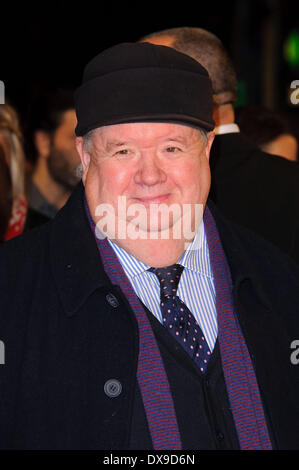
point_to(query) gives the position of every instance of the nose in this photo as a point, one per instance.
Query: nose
(150, 170)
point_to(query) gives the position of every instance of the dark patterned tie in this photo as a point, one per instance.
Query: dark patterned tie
(178, 319)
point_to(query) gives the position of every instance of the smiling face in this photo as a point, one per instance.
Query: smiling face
(147, 163)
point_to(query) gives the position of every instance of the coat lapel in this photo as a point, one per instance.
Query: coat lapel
(76, 263)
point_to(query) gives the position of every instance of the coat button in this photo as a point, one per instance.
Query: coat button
(112, 388)
(112, 300)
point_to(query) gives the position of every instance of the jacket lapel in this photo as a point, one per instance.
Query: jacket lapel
(76, 263)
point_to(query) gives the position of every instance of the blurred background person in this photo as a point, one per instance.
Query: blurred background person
(5, 194)
(12, 173)
(15, 216)
(268, 130)
(248, 185)
(50, 144)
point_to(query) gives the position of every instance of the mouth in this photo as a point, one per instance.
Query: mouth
(152, 199)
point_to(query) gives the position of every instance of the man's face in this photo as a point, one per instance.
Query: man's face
(147, 163)
(63, 158)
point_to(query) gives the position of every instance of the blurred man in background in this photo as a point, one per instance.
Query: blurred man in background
(52, 123)
(268, 130)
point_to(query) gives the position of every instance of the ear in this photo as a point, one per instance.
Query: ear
(84, 157)
(211, 137)
(42, 143)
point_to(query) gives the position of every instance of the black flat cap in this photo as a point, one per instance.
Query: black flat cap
(142, 82)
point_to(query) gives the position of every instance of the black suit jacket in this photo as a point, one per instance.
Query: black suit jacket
(257, 190)
(64, 338)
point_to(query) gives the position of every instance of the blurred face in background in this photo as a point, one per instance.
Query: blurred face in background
(63, 157)
(285, 145)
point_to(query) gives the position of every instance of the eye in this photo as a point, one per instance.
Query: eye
(122, 152)
(172, 149)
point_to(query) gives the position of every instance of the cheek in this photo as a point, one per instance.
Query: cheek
(107, 181)
(194, 176)
(95, 190)
(204, 179)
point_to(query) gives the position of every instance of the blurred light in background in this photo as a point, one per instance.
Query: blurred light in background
(291, 48)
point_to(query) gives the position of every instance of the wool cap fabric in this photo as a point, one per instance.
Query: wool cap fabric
(142, 82)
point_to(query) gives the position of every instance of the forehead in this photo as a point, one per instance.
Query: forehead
(145, 132)
(68, 119)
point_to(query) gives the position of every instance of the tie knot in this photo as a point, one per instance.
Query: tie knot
(169, 279)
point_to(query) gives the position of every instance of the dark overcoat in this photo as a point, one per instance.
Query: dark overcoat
(64, 338)
(256, 190)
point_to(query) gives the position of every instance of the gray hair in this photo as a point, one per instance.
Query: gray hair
(88, 139)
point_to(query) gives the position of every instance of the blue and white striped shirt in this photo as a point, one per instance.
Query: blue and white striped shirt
(196, 286)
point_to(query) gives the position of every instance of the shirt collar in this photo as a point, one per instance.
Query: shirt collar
(196, 257)
(227, 129)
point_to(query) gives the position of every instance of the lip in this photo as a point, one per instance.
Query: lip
(152, 200)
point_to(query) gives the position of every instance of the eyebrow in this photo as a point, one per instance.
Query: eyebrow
(119, 143)
(115, 143)
(176, 139)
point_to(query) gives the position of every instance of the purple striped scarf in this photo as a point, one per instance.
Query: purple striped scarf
(238, 371)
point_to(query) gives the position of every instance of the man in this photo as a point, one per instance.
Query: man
(251, 187)
(173, 333)
(53, 121)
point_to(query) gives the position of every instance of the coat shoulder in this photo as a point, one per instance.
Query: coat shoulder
(247, 252)
(21, 257)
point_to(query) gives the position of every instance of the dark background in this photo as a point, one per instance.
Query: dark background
(49, 43)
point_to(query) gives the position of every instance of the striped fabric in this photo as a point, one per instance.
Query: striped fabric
(196, 286)
(238, 370)
(151, 375)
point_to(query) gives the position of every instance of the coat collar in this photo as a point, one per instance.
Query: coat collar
(75, 259)
(236, 146)
(77, 267)
(240, 261)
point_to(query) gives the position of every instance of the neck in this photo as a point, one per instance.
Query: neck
(223, 114)
(155, 253)
(52, 191)
(156, 249)
(159, 248)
